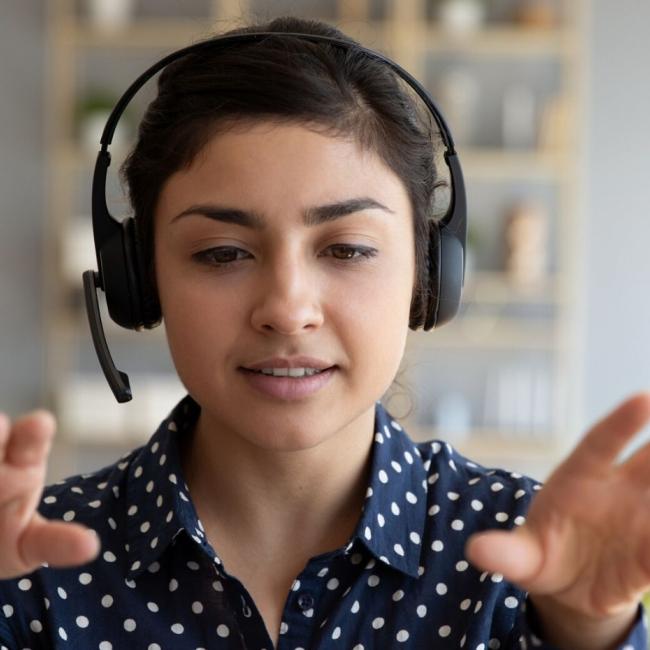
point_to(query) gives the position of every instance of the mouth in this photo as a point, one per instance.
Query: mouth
(288, 383)
(294, 373)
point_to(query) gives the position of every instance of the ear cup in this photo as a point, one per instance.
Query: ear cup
(435, 276)
(150, 305)
(144, 305)
(450, 276)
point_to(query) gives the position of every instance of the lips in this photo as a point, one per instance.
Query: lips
(289, 362)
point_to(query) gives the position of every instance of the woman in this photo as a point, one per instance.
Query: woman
(284, 212)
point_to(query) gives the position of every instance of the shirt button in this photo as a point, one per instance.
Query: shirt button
(305, 601)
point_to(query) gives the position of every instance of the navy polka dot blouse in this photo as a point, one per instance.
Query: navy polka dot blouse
(401, 581)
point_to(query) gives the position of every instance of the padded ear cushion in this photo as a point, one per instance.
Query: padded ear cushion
(452, 267)
(435, 275)
(146, 308)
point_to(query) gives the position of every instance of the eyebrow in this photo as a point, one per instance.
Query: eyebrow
(312, 216)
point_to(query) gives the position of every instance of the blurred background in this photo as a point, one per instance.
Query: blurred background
(548, 102)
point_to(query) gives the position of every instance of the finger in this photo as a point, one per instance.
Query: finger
(58, 543)
(30, 439)
(517, 555)
(4, 434)
(608, 437)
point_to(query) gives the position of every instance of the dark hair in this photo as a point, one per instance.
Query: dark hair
(323, 87)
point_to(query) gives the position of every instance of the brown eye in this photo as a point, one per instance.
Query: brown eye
(346, 252)
(220, 256)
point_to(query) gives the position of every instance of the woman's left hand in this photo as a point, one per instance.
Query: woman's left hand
(585, 545)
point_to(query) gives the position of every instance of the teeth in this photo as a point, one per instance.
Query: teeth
(289, 372)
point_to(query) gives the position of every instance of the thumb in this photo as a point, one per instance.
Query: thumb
(517, 555)
(57, 543)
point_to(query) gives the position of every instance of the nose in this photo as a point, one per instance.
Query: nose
(289, 298)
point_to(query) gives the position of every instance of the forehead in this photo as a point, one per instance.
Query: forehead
(280, 165)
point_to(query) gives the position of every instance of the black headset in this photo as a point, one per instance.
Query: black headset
(132, 302)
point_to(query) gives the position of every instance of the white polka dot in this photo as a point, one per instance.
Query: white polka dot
(394, 508)
(380, 519)
(378, 623)
(402, 636)
(336, 633)
(145, 526)
(95, 504)
(496, 487)
(367, 533)
(132, 510)
(355, 607)
(36, 626)
(63, 634)
(466, 604)
(457, 524)
(434, 510)
(85, 578)
(150, 487)
(217, 586)
(477, 505)
(398, 595)
(223, 631)
(501, 516)
(398, 549)
(129, 625)
(383, 477)
(414, 537)
(105, 645)
(437, 546)
(109, 557)
(177, 628)
(82, 621)
(373, 580)
(421, 611)
(62, 592)
(69, 516)
(519, 520)
(197, 607)
(332, 584)
(445, 630)
(441, 588)
(477, 607)
(511, 602)
(396, 466)
(7, 610)
(25, 584)
(411, 498)
(408, 457)
(453, 496)
(496, 577)
(152, 607)
(50, 499)
(461, 566)
(173, 584)
(138, 471)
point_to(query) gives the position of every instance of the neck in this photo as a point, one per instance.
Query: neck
(312, 497)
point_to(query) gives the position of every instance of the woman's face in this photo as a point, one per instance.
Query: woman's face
(281, 242)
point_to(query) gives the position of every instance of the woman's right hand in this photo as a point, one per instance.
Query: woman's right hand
(27, 539)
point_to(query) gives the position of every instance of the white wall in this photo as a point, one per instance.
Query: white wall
(616, 307)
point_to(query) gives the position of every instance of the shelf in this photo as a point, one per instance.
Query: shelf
(177, 32)
(510, 40)
(496, 287)
(506, 40)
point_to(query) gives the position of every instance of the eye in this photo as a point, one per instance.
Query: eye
(347, 252)
(220, 256)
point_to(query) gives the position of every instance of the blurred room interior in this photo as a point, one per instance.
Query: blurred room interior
(548, 102)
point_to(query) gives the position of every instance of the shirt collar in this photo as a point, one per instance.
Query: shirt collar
(394, 514)
(158, 506)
